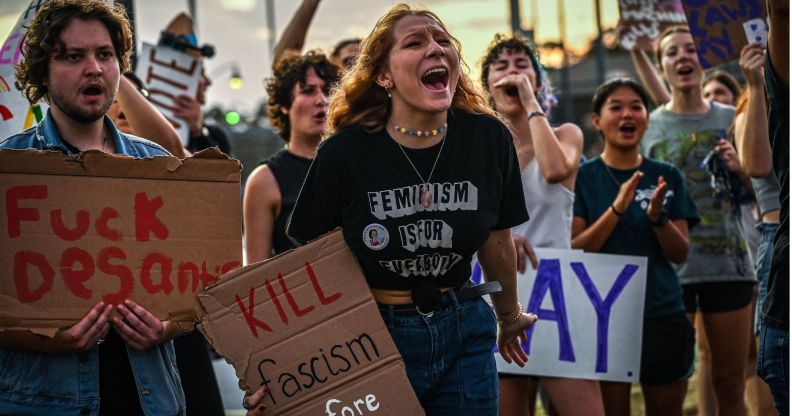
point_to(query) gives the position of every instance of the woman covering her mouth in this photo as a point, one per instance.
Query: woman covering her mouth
(549, 157)
(415, 153)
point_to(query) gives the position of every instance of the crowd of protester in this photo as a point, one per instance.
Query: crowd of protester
(696, 185)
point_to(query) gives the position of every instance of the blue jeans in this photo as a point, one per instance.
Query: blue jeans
(764, 258)
(449, 357)
(773, 363)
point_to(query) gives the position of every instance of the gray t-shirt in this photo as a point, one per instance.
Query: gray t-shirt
(766, 190)
(718, 249)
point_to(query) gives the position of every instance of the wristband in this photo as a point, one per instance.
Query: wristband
(533, 114)
(661, 221)
(615, 211)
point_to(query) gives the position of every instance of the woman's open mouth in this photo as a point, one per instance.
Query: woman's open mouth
(685, 70)
(435, 79)
(627, 129)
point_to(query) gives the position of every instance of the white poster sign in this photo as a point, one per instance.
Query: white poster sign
(16, 113)
(168, 74)
(590, 309)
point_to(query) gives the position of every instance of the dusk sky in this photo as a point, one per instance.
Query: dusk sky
(238, 30)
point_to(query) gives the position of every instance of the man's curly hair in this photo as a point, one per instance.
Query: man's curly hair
(288, 72)
(42, 39)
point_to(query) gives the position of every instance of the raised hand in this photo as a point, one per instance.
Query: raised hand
(627, 192)
(522, 84)
(655, 207)
(752, 58)
(189, 109)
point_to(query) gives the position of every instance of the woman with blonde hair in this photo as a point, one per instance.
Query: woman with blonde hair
(415, 153)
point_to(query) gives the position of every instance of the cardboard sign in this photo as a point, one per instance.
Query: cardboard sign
(16, 113)
(717, 27)
(80, 229)
(642, 21)
(305, 325)
(168, 74)
(590, 309)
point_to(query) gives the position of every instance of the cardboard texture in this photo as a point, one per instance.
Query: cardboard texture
(717, 27)
(642, 21)
(91, 227)
(306, 325)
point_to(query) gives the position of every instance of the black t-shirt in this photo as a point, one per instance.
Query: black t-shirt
(363, 183)
(776, 305)
(596, 188)
(289, 171)
(216, 137)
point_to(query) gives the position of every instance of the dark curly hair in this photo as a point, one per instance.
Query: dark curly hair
(42, 39)
(288, 71)
(502, 43)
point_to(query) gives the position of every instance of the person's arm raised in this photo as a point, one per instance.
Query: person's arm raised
(293, 37)
(750, 127)
(557, 151)
(650, 77)
(146, 120)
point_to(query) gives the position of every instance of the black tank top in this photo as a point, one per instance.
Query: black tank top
(289, 171)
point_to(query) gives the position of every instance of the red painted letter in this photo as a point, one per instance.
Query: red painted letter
(124, 274)
(205, 277)
(252, 322)
(231, 265)
(104, 229)
(79, 230)
(166, 265)
(293, 303)
(184, 278)
(325, 300)
(16, 214)
(22, 279)
(276, 301)
(75, 279)
(146, 220)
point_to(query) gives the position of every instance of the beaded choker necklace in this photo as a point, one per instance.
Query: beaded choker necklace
(420, 133)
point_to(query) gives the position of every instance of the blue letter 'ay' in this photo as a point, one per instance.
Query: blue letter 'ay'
(603, 307)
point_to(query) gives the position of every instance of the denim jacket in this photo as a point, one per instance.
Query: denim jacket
(38, 383)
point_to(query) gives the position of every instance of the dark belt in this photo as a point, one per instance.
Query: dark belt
(465, 293)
